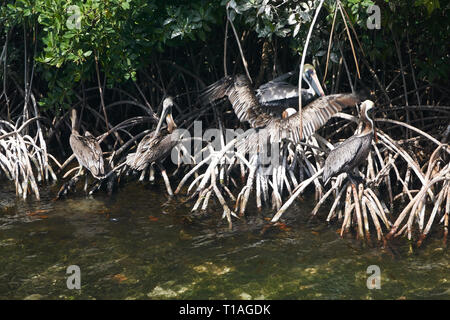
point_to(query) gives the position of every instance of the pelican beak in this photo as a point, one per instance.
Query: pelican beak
(73, 118)
(170, 122)
(161, 119)
(315, 84)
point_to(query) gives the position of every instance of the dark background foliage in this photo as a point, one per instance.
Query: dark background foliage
(147, 49)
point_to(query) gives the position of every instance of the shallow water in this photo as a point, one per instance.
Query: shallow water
(138, 244)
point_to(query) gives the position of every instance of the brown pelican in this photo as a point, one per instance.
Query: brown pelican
(353, 151)
(89, 155)
(246, 106)
(279, 93)
(87, 150)
(156, 145)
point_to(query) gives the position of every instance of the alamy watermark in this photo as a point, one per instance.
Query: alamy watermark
(74, 20)
(374, 20)
(74, 280)
(374, 280)
(229, 145)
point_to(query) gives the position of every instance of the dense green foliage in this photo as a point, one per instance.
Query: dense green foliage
(121, 34)
(64, 39)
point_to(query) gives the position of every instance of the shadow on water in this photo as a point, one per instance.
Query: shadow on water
(139, 244)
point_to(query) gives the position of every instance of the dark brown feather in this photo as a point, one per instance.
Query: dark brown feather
(152, 149)
(348, 155)
(247, 108)
(88, 152)
(315, 115)
(353, 151)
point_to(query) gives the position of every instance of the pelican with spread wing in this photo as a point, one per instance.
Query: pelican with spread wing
(248, 109)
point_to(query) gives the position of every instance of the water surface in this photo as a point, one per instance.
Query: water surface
(139, 244)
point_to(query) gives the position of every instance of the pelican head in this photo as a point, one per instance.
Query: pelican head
(167, 103)
(288, 112)
(367, 106)
(310, 76)
(167, 115)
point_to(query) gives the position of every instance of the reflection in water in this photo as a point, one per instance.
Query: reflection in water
(139, 244)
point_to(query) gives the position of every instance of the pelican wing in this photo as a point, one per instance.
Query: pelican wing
(340, 157)
(152, 148)
(138, 160)
(273, 91)
(245, 104)
(216, 91)
(247, 107)
(242, 97)
(147, 142)
(88, 152)
(315, 115)
(165, 146)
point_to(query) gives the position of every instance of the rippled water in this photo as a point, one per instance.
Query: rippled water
(138, 244)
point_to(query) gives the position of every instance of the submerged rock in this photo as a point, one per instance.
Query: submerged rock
(210, 267)
(245, 296)
(159, 292)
